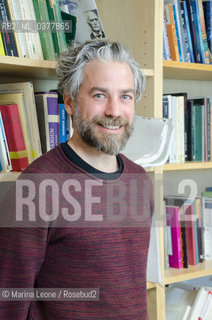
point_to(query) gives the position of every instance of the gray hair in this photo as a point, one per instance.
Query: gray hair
(71, 64)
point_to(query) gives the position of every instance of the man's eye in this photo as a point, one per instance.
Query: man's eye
(99, 95)
(126, 97)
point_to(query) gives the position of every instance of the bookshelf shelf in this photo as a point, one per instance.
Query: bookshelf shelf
(176, 275)
(10, 176)
(34, 69)
(187, 166)
(188, 71)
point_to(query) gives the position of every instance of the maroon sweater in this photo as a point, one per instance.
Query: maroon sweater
(109, 255)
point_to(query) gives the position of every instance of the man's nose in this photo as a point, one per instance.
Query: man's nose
(113, 108)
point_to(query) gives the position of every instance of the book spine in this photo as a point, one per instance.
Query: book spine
(53, 121)
(207, 7)
(174, 52)
(15, 138)
(58, 18)
(190, 234)
(63, 127)
(172, 216)
(193, 32)
(200, 48)
(7, 35)
(35, 38)
(47, 35)
(203, 32)
(185, 33)
(177, 32)
(4, 150)
(15, 11)
(180, 28)
(166, 48)
(2, 51)
(188, 31)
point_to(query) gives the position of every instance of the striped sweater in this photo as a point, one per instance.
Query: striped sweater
(105, 245)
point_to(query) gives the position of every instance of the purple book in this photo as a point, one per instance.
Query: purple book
(172, 219)
(48, 119)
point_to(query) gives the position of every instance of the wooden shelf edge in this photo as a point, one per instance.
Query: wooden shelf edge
(187, 166)
(193, 272)
(150, 285)
(9, 176)
(25, 62)
(187, 71)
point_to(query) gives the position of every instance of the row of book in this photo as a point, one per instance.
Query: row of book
(189, 300)
(188, 231)
(187, 31)
(30, 124)
(192, 121)
(26, 30)
(42, 29)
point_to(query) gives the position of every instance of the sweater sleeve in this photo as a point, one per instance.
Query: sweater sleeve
(22, 251)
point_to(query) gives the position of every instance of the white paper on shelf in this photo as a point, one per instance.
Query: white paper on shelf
(149, 144)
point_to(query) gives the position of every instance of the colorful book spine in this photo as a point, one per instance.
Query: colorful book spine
(166, 48)
(53, 120)
(191, 233)
(185, 34)
(15, 138)
(172, 218)
(57, 17)
(2, 51)
(7, 35)
(174, 52)
(188, 31)
(4, 150)
(193, 32)
(177, 32)
(203, 32)
(207, 7)
(63, 126)
(41, 13)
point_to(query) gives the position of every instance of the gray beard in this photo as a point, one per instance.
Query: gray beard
(106, 143)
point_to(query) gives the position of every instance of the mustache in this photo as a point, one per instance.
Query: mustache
(108, 121)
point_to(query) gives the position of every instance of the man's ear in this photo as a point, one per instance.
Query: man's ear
(69, 104)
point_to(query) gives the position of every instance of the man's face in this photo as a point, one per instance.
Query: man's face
(93, 21)
(103, 117)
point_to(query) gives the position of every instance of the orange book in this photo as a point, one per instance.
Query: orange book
(174, 52)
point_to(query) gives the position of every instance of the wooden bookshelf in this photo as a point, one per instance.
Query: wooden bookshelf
(187, 166)
(27, 68)
(187, 71)
(175, 275)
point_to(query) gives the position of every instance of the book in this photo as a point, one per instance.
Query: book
(166, 48)
(206, 225)
(2, 51)
(72, 21)
(14, 135)
(7, 32)
(26, 88)
(63, 122)
(41, 14)
(18, 99)
(89, 25)
(184, 32)
(207, 7)
(171, 32)
(187, 27)
(187, 214)
(48, 119)
(55, 15)
(4, 150)
(204, 44)
(20, 37)
(193, 30)
(172, 217)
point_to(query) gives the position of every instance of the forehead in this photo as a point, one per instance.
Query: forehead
(108, 72)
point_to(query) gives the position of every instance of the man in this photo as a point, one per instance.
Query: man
(94, 24)
(95, 204)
